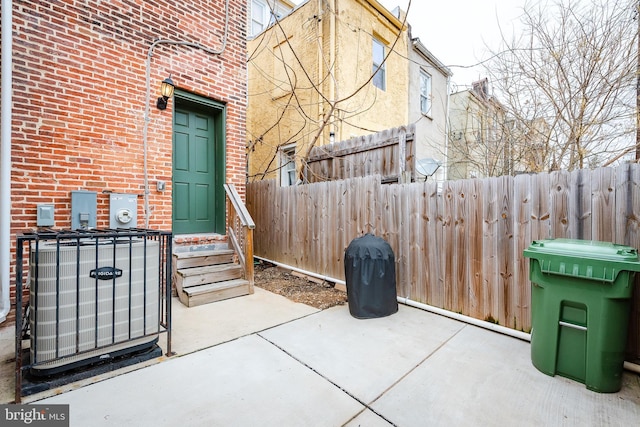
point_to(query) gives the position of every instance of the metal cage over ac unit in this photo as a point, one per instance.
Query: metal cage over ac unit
(93, 295)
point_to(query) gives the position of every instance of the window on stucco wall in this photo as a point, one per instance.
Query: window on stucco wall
(425, 93)
(287, 165)
(379, 67)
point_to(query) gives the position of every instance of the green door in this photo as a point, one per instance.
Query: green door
(198, 169)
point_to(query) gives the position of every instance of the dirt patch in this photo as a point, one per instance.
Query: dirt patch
(299, 288)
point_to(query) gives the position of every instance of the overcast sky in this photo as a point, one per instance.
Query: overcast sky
(456, 31)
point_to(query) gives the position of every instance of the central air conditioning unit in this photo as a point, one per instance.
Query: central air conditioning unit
(92, 300)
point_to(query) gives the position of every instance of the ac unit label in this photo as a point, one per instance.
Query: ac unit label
(105, 273)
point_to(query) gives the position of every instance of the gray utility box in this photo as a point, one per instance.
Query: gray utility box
(123, 210)
(83, 209)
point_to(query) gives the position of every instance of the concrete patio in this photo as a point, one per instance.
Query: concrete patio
(264, 360)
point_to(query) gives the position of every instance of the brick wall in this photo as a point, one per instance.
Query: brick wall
(79, 98)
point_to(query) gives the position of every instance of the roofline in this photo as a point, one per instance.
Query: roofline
(395, 21)
(417, 45)
(490, 100)
(386, 13)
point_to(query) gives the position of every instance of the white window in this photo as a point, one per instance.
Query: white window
(258, 17)
(378, 71)
(288, 166)
(425, 93)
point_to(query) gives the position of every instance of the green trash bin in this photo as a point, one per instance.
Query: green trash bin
(580, 302)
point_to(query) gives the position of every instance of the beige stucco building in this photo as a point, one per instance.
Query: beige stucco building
(328, 71)
(428, 108)
(479, 144)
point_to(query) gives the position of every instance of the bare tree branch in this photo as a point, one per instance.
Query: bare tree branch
(568, 83)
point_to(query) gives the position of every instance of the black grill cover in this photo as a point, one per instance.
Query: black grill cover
(370, 273)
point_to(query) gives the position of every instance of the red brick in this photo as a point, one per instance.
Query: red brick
(79, 92)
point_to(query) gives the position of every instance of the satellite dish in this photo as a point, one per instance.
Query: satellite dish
(427, 167)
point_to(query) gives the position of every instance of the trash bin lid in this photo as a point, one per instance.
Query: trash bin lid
(583, 258)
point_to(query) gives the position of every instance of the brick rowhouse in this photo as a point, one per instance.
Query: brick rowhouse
(79, 99)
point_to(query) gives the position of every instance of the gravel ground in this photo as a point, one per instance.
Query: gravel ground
(311, 291)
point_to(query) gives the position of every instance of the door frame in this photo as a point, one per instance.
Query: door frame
(218, 112)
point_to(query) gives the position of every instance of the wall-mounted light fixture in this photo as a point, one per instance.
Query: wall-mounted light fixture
(166, 89)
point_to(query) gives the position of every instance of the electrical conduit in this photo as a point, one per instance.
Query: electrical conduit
(488, 325)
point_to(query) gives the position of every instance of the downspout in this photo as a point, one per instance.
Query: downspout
(5, 158)
(320, 68)
(632, 367)
(332, 67)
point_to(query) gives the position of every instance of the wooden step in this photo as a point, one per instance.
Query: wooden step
(204, 275)
(204, 294)
(190, 259)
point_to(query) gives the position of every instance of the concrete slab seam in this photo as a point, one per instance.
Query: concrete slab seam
(416, 366)
(365, 405)
(241, 336)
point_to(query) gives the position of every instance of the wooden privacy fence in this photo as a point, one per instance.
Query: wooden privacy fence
(390, 153)
(458, 245)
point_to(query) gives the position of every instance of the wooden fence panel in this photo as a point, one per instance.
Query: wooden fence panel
(508, 310)
(541, 206)
(405, 240)
(627, 213)
(389, 153)
(559, 205)
(289, 202)
(603, 205)
(433, 240)
(448, 242)
(419, 254)
(476, 250)
(460, 280)
(341, 190)
(523, 217)
(337, 228)
(581, 204)
(393, 225)
(303, 227)
(491, 296)
(458, 247)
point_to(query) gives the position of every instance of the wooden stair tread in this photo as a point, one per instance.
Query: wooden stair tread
(202, 258)
(205, 276)
(197, 276)
(205, 294)
(204, 253)
(188, 272)
(219, 286)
